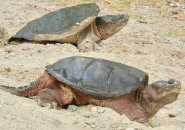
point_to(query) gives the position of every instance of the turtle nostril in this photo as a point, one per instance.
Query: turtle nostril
(121, 16)
(171, 81)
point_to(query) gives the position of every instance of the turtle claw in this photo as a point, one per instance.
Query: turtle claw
(54, 105)
(39, 102)
(32, 97)
(49, 105)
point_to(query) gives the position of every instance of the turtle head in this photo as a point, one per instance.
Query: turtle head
(165, 92)
(110, 24)
(159, 94)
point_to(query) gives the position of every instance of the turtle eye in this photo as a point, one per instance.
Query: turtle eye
(171, 81)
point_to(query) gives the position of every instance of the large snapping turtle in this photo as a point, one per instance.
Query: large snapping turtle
(83, 80)
(78, 25)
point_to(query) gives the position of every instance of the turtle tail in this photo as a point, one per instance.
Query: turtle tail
(32, 89)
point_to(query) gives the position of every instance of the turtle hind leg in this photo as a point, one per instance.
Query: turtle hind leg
(54, 97)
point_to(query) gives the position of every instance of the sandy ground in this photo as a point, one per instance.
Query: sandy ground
(153, 41)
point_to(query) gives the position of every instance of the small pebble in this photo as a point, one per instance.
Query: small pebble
(93, 109)
(77, 23)
(147, 42)
(183, 121)
(101, 110)
(8, 50)
(175, 12)
(72, 108)
(172, 5)
(75, 122)
(171, 115)
(178, 4)
(120, 128)
(25, 48)
(8, 69)
(86, 116)
(1, 102)
(91, 124)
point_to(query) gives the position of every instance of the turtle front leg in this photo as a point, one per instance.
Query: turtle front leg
(126, 105)
(86, 45)
(54, 97)
(87, 40)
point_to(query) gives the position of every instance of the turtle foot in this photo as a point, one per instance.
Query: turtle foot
(48, 98)
(49, 105)
(86, 46)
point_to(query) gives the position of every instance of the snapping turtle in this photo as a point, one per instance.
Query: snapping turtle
(83, 80)
(77, 25)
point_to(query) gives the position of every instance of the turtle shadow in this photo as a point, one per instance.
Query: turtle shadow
(16, 41)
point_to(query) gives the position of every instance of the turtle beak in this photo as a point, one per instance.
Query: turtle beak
(124, 17)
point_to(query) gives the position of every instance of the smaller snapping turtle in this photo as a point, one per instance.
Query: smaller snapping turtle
(83, 80)
(78, 25)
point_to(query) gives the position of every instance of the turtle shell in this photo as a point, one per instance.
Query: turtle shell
(98, 78)
(59, 25)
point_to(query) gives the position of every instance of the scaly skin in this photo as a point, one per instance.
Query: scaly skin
(139, 105)
(31, 90)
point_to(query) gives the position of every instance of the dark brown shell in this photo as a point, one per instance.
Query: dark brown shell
(97, 77)
(60, 24)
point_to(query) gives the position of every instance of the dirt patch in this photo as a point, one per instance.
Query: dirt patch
(148, 42)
